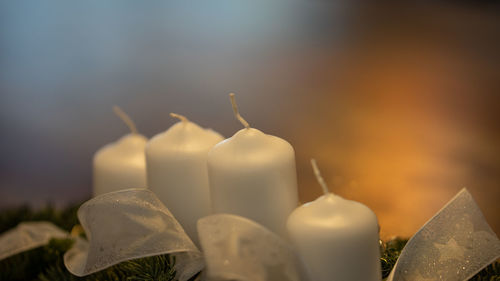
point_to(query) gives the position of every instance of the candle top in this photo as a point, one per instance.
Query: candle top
(333, 211)
(251, 146)
(187, 135)
(128, 145)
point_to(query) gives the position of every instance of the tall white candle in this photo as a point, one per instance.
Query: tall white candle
(337, 239)
(121, 164)
(177, 171)
(253, 175)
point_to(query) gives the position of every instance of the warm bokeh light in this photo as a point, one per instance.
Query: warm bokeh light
(399, 104)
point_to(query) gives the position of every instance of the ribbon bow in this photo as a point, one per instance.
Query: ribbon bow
(453, 245)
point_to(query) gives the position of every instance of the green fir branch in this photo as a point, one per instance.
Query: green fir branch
(28, 265)
(160, 268)
(65, 218)
(389, 253)
(489, 273)
(46, 263)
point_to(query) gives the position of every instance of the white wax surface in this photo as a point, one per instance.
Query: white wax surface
(337, 239)
(177, 171)
(253, 175)
(120, 165)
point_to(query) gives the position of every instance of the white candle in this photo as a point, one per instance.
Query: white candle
(177, 171)
(120, 165)
(337, 239)
(253, 175)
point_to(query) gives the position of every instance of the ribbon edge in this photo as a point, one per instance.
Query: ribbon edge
(127, 259)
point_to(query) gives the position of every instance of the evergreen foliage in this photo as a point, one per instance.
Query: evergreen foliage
(46, 263)
(28, 265)
(65, 218)
(389, 254)
(158, 268)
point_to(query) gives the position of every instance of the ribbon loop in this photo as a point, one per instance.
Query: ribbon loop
(455, 244)
(126, 225)
(237, 248)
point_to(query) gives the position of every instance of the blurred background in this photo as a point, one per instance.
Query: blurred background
(398, 103)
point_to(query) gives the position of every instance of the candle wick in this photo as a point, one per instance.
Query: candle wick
(180, 117)
(320, 179)
(125, 118)
(236, 111)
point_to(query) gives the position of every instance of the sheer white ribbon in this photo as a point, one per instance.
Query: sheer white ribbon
(455, 244)
(27, 236)
(124, 225)
(237, 248)
(127, 225)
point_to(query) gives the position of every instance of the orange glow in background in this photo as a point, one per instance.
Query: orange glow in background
(398, 104)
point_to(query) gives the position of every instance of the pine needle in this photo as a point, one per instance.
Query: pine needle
(46, 263)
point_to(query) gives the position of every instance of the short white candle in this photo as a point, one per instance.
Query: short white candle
(337, 239)
(253, 175)
(177, 171)
(121, 164)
